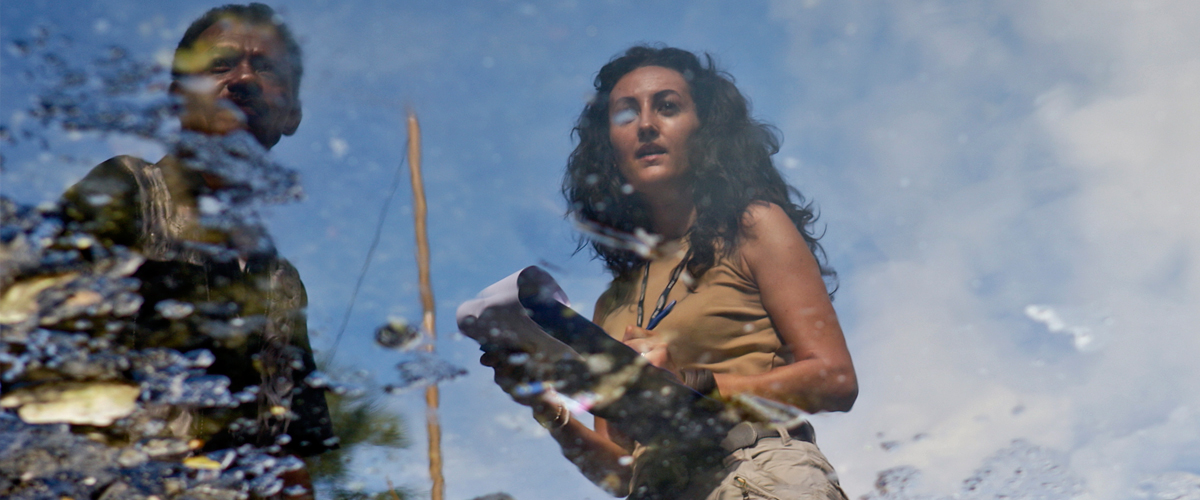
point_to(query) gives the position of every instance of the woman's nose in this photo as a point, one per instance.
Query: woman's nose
(647, 128)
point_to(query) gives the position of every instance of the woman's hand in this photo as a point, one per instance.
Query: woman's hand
(652, 345)
(596, 455)
(511, 374)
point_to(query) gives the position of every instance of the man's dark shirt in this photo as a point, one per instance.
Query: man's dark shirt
(151, 208)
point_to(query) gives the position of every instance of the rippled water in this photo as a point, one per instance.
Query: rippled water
(94, 409)
(68, 303)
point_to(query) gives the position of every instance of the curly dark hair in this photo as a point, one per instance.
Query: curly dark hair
(730, 166)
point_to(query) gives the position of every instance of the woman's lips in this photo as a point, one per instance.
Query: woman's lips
(649, 150)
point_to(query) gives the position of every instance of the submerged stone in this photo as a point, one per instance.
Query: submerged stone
(19, 302)
(422, 369)
(81, 403)
(398, 334)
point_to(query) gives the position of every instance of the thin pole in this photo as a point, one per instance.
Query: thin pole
(420, 210)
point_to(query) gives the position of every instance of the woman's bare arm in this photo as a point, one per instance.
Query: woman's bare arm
(793, 293)
(598, 456)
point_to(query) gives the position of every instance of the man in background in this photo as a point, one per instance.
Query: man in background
(237, 70)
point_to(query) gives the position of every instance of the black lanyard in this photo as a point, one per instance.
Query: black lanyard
(662, 299)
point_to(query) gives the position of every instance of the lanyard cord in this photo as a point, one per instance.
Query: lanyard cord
(662, 299)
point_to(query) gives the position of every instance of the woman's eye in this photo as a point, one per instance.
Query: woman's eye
(669, 107)
(624, 117)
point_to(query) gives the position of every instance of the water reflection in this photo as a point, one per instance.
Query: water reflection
(1021, 470)
(149, 310)
(361, 420)
(963, 155)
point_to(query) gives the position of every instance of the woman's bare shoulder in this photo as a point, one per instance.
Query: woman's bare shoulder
(769, 239)
(765, 219)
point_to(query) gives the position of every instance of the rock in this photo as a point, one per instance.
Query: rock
(19, 301)
(83, 403)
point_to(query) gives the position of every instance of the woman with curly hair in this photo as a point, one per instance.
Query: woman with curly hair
(668, 148)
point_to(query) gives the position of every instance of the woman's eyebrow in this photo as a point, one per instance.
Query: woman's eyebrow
(663, 94)
(627, 100)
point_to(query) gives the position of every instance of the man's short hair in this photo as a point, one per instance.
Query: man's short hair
(256, 14)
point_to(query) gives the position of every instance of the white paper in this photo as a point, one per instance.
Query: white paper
(496, 316)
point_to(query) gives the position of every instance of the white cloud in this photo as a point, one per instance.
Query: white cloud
(1050, 150)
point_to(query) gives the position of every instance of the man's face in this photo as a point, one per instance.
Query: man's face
(246, 65)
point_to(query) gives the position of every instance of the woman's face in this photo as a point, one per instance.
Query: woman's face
(651, 117)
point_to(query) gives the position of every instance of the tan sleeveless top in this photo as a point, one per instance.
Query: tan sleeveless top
(718, 324)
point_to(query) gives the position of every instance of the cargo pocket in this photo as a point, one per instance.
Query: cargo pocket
(794, 470)
(752, 491)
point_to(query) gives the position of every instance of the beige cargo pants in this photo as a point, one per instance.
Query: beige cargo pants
(778, 468)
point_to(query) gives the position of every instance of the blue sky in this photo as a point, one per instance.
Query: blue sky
(969, 160)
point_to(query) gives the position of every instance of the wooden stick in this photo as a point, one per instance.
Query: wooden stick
(420, 211)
